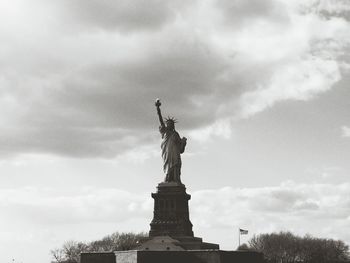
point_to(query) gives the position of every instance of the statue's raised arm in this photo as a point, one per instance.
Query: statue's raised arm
(159, 112)
(172, 147)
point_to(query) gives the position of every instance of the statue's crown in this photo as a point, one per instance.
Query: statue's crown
(171, 119)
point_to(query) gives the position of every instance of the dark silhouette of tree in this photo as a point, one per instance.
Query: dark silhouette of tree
(285, 247)
(70, 251)
(58, 255)
(244, 247)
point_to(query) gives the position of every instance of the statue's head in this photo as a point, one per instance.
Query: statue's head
(170, 123)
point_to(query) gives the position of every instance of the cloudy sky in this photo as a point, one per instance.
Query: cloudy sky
(260, 89)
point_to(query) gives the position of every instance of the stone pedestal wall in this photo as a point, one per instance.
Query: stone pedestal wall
(103, 257)
(189, 256)
(171, 213)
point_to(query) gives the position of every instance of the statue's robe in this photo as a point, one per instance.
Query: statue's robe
(172, 146)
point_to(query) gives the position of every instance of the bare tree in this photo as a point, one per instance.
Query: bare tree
(71, 250)
(58, 255)
(285, 247)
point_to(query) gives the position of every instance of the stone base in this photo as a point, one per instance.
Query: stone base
(195, 243)
(189, 256)
(98, 257)
(166, 243)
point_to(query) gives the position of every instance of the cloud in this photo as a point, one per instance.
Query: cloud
(126, 16)
(46, 206)
(300, 208)
(79, 79)
(301, 80)
(319, 209)
(330, 8)
(345, 131)
(239, 12)
(310, 69)
(221, 128)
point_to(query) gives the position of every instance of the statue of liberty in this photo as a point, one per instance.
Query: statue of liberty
(172, 146)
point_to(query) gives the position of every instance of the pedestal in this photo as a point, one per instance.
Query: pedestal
(170, 214)
(171, 218)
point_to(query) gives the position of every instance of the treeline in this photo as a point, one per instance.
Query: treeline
(285, 247)
(70, 251)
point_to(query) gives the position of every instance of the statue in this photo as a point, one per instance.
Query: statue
(172, 146)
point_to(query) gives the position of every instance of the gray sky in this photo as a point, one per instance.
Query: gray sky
(260, 89)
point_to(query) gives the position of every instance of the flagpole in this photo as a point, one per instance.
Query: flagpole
(239, 237)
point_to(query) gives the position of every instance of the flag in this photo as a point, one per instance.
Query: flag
(243, 232)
